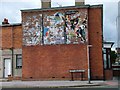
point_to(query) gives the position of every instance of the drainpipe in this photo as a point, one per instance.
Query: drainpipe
(12, 49)
(88, 57)
(12, 61)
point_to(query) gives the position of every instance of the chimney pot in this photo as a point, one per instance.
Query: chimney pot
(46, 3)
(5, 21)
(79, 2)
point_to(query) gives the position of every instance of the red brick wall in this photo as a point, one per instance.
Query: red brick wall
(11, 37)
(41, 62)
(56, 60)
(95, 39)
(17, 37)
(108, 74)
(6, 37)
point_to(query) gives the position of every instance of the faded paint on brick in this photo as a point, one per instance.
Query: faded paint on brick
(58, 27)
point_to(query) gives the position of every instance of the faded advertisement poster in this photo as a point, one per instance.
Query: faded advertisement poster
(32, 30)
(76, 26)
(54, 28)
(68, 27)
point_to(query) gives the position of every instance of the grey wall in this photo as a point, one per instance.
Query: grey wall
(7, 54)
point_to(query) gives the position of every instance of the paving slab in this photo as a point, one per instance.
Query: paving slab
(53, 84)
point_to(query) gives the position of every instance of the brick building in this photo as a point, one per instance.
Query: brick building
(10, 49)
(56, 41)
(60, 43)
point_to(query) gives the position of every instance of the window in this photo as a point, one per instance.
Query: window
(104, 51)
(19, 61)
(109, 63)
(106, 57)
(105, 61)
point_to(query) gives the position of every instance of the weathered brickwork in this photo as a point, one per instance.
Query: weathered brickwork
(46, 62)
(108, 74)
(11, 36)
(53, 61)
(95, 39)
(6, 36)
(11, 39)
(17, 37)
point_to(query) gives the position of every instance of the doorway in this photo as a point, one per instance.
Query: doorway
(7, 67)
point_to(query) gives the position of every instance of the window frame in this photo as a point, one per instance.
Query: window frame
(107, 58)
(18, 67)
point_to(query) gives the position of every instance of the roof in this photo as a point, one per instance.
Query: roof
(66, 7)
(9, 25)
(110, 43)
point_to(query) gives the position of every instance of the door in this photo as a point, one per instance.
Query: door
(7, 67)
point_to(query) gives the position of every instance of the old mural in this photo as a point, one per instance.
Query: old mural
(70, 27)
(54, 28)
(76, 27)
(32, 30)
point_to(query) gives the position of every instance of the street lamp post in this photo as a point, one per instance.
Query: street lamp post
(88, 46)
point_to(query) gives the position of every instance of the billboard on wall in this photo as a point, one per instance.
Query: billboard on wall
(32, 29)
(56, 27)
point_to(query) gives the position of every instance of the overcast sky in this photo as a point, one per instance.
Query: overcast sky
(11, 9)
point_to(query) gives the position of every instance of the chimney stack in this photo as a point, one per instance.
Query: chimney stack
(46, 3)
(79, 2)
(5, 21)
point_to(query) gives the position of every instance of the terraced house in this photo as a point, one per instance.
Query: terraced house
(11, 49)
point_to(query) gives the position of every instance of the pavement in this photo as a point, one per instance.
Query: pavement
(59, 84)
